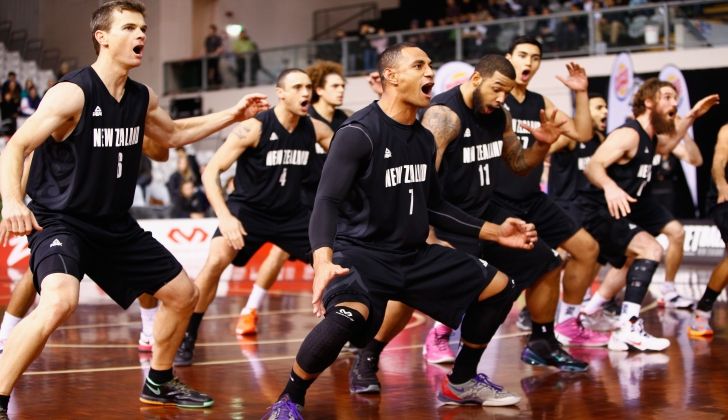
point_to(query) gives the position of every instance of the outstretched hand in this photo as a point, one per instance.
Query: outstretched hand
(250, 105)
(704, 105)
(324, 272)
(549, 131)
(577, 81)
(515, 233)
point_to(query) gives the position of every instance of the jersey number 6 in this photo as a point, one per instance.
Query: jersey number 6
(118, 168)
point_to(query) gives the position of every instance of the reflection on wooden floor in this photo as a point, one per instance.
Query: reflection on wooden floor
(91, 369)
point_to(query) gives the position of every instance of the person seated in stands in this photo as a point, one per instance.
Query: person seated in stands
(190, 203)
(28, 84)
(30, 103)
(186, 171)
(11, 85)
(8, 114)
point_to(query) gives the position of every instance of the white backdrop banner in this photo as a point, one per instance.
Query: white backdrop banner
(620, 92)
(673, 75)
(451, 74)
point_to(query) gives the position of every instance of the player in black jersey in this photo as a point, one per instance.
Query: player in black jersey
(273, 152)
(327, 94)
(377, 196)
(619, 171)
(88, 134)
(522, 196)
(474, 137)
(716, 204)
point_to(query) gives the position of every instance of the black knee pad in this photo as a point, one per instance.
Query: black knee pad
(54, 264)
(639, 277)
(483, 318)
(323, 344)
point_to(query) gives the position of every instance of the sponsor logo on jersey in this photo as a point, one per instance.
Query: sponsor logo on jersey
(582, 161)
(632, 226)
(467, 133)
(484, 262)
(482, 152)
(287, 157)
(516, 123)
(56, 243)
(412, 174)
(647, 150)
(97, 112)
(581, 146)
(387, 153)
(116, 137)
(273, 136)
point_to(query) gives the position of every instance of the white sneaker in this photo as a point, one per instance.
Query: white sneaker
(632, 335)
(671, 300)
(146, 343)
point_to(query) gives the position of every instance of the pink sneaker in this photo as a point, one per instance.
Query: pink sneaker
(437, 346)
(572, 333)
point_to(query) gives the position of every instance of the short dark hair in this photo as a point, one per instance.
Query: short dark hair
(11, 73)
(284, 74)
(649, 90)
(213, 27)
(594, 95)
(524, 40)
(390, 57)
(491, 63)
(101, 17)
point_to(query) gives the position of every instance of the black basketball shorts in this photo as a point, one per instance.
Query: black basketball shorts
(553, 224)
(290, 234)
(115, 252)
(649, 214)
(524, 266)
(440, 282)
(570, 208)
(720, 216)
(613, 235)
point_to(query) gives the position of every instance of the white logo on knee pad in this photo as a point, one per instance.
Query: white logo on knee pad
(346, 314)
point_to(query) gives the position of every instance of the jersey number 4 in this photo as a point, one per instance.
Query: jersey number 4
(484, 175)
(282, 180)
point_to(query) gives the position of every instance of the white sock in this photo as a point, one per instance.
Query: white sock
(595, 304)
(629, 310)
(255, 299)
(148, 320)
(567, 312)
(9, 322)
(667, 287)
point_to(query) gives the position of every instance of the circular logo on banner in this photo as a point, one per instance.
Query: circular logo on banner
(450, 75)
(675, 81)
(621, 82)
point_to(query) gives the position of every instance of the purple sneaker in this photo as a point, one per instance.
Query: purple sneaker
(284, 409)
(437, 345)
(572, 333)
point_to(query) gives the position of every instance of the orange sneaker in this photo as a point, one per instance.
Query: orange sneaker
(246, 323)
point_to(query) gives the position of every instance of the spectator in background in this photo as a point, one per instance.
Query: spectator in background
(413, 38)
(189, 203)
(467, 6)
(245, 48)
(452, 11)
(187, 170)
(145, 174)
(381, 43)
(30, 103)
(50, 84)
(369, 53)
(28, 84)
(332, 51)
(212, 50)
(611, 27)
(8, 114)
(65, 68)
(11, 85)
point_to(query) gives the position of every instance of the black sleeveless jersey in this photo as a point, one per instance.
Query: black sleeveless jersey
(94, 171)
(319, 158)
(387, 205)
(711, 198)
(634, 175)
(268, 177)
(471, 162)
(528, 112)
(566, 173)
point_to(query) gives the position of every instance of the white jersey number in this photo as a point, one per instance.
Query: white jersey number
(484, 175)
(412, 200)
(118, 168)
(283, 177)
(524, 139)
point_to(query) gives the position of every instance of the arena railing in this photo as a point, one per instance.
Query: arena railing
(654, 26)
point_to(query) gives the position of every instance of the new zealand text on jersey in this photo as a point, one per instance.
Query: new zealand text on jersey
(286, 157)
(520, 130)
(412, 173)
(481, 152)
(116, 137)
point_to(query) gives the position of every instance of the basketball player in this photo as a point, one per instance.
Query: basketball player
(327, 94)
(523, 197)
(272, 152)
(716, 204)
(88, 131)
(473, 135)
(379, 183)
(618, 171)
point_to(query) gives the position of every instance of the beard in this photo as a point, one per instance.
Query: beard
(478, 101)
(662, 124)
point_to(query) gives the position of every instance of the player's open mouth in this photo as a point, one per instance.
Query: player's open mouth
(138, 49)
(672, 114)
(603, 121)
(304, 104)
(427, 89)
(525, 74)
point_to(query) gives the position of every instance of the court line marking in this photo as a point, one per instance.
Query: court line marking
(232, 361)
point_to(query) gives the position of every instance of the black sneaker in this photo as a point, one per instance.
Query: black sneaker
(612, 308)
(185, 351)
(524, 322)
(4, 414)
(174, 392)
(363, 374)
(545, 353)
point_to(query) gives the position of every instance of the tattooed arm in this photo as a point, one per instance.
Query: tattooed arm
(245, 135)
(444, 125)
(521, 162)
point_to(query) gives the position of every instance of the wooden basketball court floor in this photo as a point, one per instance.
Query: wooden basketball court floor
(91, 369)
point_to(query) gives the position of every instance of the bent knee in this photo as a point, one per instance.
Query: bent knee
(57, 311)
(675, 232)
